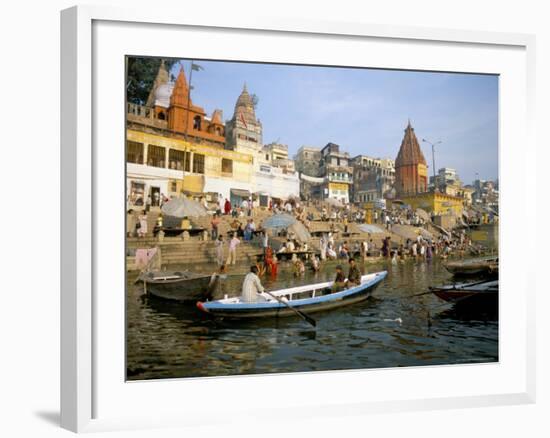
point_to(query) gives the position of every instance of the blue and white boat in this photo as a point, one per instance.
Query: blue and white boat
(308, 298)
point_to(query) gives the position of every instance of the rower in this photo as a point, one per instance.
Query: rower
(252, 286)
(339, 281)
(354, 275)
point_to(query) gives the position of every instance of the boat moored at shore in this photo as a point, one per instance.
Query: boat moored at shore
(178, 286)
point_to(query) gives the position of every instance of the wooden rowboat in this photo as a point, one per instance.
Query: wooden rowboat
(179, 286)
(478, 266)
(485, 292)
(309, 298)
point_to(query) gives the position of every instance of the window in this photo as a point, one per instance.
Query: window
(173, 186)
(187, 162)
(227, 165)
(197, 123)
(134, 152)
(156, 156)
(198, 163)
(136, 193)
(176, 159)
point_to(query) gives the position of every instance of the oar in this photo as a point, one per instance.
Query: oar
(299, 312)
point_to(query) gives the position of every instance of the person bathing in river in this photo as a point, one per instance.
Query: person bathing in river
(270, 261)
(252, 286)
(315, 264)
(354, 275)
(299, 268)
(216, 287)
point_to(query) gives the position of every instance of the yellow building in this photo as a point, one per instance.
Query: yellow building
(437, 203)
(173, 148)
(169, 166)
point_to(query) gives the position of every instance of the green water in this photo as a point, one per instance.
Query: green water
(168, 340)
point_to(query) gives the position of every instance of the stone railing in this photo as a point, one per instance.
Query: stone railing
(140, 111)
(145, 115)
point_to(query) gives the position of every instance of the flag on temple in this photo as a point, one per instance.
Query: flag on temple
(242, 119)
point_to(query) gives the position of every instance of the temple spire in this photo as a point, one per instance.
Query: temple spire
(161, 79)
(180, 93)
(410, 165)
(410, 152)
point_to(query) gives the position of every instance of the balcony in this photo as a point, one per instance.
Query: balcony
(145, 116)
(339, 178)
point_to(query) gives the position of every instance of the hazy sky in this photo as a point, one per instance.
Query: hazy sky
(364, 111)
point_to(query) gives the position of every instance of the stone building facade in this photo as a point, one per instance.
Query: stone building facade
(373, 178)
(336, 168)
(307, 160)
(447, 181)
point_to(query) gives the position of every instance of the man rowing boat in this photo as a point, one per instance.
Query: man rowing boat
(354, 274)
(252, 286)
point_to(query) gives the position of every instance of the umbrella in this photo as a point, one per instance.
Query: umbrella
(423, 214)
(334, 202)
(301, 232)
(279, 221)
(368, 228)
(183, 207)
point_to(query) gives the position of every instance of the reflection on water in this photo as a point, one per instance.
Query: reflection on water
(166, 339)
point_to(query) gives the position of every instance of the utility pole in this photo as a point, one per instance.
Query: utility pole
(196, 67)
(433, 157)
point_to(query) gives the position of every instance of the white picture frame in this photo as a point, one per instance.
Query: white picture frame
(82, 369)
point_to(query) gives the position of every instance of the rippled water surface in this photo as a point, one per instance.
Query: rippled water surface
(167, 340)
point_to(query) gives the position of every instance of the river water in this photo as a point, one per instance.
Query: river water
(390, 329)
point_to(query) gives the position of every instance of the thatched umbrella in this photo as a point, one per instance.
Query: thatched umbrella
(334, 202)
(288, 222)
(178, 208)
(282, 220)
(301, 232)
(423, 214)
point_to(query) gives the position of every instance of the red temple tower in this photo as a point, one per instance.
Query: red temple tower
(411, 171)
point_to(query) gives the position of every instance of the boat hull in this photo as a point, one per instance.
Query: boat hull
(487, 267)
(323, 303)
(192, 288)
(482, 294)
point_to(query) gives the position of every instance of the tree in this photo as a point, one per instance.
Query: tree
(140, 76)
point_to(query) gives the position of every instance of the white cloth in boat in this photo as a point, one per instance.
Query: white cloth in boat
(252, 286)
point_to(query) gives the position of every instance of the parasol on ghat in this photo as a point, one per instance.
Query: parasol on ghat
(176, 209)
(279, 221)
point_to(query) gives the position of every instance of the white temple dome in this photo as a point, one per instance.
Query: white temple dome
(163, 93)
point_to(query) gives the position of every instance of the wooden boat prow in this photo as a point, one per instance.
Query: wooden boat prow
(178, 285)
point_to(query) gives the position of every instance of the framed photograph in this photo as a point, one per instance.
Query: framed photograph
(255, 208)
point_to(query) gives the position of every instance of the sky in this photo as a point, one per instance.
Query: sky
(365, 111)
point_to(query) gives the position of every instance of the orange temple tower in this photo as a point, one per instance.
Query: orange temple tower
(411, 171)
